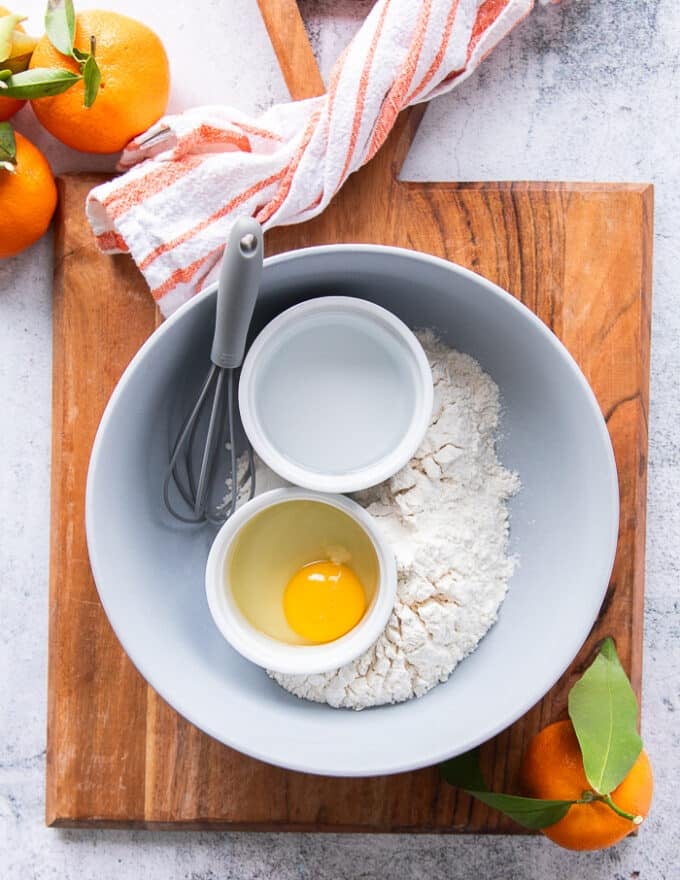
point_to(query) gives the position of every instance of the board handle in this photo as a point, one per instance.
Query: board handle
(293, 50)
(301, 74)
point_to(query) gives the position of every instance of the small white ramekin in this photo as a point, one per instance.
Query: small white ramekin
(329, 390)
(269, 652)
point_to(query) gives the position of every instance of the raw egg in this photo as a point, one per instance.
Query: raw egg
(323, 601)
(302, 572)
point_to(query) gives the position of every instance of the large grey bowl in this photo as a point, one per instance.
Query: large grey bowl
(149, 570)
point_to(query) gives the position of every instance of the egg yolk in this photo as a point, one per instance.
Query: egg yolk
(323, 601)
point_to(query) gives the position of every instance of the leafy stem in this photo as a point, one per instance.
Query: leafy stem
(603, 711)
(60, 25)
(532, 813)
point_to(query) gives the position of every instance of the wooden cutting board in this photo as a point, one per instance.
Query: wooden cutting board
(579, 255)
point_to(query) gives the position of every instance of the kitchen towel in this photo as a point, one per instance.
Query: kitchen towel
(192, 174)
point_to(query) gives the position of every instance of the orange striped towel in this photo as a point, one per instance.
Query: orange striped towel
(192, 174)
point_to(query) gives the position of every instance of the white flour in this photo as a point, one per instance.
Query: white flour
(446, 516)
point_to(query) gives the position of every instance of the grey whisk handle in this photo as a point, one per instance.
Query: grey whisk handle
(237, 292)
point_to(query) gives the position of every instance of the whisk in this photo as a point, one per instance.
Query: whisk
(207, 479)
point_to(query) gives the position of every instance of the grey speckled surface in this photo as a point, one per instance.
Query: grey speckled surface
(589, 90)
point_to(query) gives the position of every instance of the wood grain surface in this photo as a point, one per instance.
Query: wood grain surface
(579, 255)
(287, 33)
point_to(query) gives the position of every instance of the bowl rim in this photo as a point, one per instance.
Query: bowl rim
(266, 651)
(548, 674)
(363, 311)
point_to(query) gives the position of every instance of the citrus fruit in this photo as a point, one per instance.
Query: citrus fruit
(28, 196)
(9, 106)
(553, 769)
(134, 88)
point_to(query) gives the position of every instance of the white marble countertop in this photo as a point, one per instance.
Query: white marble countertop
(595, 95)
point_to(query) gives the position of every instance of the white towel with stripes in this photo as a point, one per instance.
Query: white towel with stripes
(192, 174)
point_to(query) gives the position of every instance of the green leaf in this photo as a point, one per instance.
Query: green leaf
(60, 24)
(41, 82)
(8, 146)
(79, 55)
(20, 53)
(7, 25)
(464, 771)
(91, 79)
(533, 813)
(604, 711)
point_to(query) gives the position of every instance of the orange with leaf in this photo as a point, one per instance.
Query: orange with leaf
(104, 110)
(553, 769)
(95, 80)
(588, 780)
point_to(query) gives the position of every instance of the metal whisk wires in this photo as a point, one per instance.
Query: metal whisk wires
(204, 461)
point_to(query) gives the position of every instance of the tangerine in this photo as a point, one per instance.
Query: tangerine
(28, 196)
(553, 769)
(9, 106)
(133, 92)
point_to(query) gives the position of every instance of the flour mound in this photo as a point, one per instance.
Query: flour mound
(445, 515)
